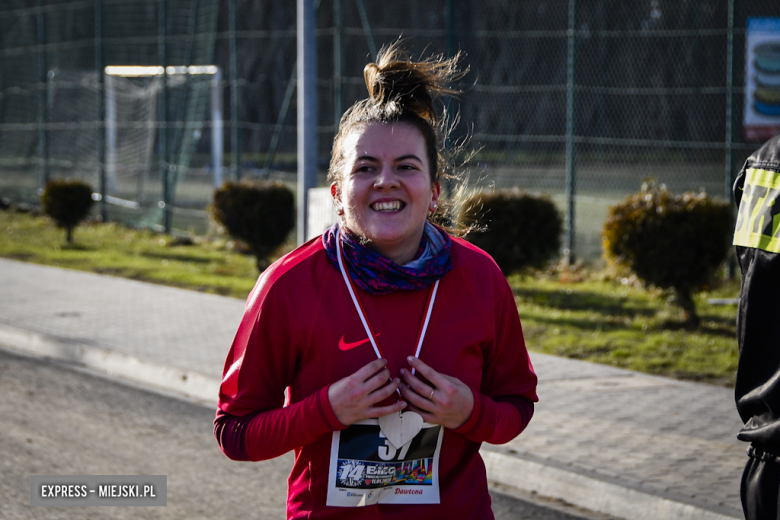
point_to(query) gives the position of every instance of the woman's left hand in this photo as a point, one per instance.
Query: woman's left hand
(446, 400)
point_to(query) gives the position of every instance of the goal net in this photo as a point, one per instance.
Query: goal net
(131, 133)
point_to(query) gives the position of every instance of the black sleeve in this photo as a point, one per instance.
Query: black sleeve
(230, 431)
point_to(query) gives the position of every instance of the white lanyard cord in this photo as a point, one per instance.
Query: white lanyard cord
(352, 294)
(360, 311)
(427, 319)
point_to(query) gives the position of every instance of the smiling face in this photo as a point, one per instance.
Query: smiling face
(385, 189)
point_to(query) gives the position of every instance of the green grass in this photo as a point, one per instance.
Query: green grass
(580, 314)
(209, 265)
(618, 322)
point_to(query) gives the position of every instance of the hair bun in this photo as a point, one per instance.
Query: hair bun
(371, 74)
(395, 83)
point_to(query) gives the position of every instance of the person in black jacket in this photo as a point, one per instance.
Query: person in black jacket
(757, 392)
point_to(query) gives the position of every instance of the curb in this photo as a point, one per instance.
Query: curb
(189, 384)
(512, 471)
(588, 492)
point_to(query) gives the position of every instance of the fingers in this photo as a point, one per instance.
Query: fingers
(430, 374)
(378, 380)
(427, 416)
(420, 389)
(352, 398)
(451, 403)
(370, 369)
(381, 411)
(383, 392)
(359, 389)
(380, 386)
(416, 400)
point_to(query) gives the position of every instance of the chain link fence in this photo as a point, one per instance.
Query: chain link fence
(580, 100)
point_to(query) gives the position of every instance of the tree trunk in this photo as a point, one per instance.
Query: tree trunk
(689, 308)
(262, 262)
(69, 234)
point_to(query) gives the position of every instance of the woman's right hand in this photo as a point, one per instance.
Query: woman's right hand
(353, 398)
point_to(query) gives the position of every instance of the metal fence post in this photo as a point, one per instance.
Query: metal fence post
(235, 158)
(101, 113)
(449, 50)
(571, 156)
(414, 17)
(731, 265)
(730, 101)
(449, 22)
(367, 29)
(337, 96)
(449, 38)
(602, 64)
(217, 137)
(165, 167)
(43, 116)
(307, 110)
(281, 118)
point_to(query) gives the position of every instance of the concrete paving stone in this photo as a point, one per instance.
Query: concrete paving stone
(650, 430)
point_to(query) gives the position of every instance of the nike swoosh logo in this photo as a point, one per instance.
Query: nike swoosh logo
(348, 346)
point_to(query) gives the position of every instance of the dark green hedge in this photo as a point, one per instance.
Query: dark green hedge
(67, 202)
(259, 214)
(670, 241)
(520, 230)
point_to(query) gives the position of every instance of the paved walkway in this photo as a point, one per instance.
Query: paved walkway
(622, 443)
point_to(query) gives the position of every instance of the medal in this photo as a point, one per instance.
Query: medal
(402, 427)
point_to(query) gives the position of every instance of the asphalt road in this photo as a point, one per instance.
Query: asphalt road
(60, 421)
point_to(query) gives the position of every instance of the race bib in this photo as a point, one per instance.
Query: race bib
(366, 469)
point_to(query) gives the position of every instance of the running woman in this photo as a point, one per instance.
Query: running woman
(399, 346)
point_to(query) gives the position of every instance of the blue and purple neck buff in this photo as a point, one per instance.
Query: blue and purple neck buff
(376, 274)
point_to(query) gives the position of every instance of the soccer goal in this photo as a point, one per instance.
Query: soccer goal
(130, 130)
(127, 126)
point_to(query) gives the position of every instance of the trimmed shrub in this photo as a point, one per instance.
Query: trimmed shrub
(517, 229)
(67, 202)
(261, 215)
(670, 241)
